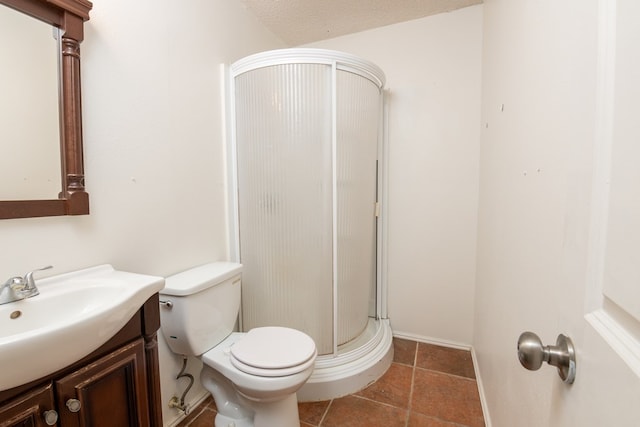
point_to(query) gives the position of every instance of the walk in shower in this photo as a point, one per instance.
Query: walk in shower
(306, 154)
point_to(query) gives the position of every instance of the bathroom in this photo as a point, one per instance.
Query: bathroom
(496, 111)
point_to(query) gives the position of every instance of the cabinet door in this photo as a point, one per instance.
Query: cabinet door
(112, 391)
(29, 409)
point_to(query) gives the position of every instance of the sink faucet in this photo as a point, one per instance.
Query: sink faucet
(17, 288)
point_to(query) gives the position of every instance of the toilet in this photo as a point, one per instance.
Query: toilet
(253, 376)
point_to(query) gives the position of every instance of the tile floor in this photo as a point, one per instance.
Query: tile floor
(426, 386)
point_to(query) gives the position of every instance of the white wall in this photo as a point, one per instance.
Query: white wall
(433, 69)
(154, 152)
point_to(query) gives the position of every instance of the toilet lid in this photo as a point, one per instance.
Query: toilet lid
(273, 351)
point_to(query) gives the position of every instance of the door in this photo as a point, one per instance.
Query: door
(306, 139)
(283, 137)
(559, 215)
(612, 329)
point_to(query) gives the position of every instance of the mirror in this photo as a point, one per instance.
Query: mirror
(29, 85)
(61, 153)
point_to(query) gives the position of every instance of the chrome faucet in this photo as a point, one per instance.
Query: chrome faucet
(17, 288)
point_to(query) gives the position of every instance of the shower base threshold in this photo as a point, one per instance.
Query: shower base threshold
(357, 365)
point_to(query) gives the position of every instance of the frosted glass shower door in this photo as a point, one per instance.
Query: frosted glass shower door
(357, 124)
(284, 155)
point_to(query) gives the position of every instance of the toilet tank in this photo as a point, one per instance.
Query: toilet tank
(199, 307)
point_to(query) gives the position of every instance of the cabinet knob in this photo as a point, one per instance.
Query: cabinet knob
(74, 405)
(50, 417)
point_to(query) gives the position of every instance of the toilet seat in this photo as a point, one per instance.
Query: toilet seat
(273, 351)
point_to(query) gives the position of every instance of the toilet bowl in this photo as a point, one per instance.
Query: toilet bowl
(254, 376)
(259, 380)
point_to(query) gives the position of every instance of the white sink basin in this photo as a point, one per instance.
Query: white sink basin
(74, 314)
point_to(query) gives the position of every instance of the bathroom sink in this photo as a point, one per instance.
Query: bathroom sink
(74, 314)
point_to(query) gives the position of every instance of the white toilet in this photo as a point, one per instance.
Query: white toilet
(252, 376)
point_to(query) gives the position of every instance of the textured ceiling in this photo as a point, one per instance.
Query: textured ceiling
(298, 22)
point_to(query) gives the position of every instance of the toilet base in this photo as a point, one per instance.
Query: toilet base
(235, 410)
(224, 421)
(281, 413)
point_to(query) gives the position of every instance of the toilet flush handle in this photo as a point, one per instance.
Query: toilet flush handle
(532, 353)
(168, 304)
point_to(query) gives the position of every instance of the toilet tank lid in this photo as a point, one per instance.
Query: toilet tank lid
(200, 278)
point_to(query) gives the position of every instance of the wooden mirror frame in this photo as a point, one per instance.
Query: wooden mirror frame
(69, 16)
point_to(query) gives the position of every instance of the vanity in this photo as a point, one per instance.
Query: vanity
(111, 318)
(116, 385)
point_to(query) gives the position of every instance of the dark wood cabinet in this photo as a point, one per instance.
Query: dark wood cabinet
(117, 385)
(29, 409)
(111, 391)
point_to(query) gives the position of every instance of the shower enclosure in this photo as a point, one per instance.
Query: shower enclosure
(306, 171)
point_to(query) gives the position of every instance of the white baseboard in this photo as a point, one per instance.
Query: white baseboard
(431, 340)
(459, 346)
(483, 399)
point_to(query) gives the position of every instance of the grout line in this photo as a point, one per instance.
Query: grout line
(326, 411)
(190, 419)
(413, 376)
(447, 373)
(377, 402)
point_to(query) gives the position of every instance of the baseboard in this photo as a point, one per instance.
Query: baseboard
(431, 340)
(483, 399)
(459, 346)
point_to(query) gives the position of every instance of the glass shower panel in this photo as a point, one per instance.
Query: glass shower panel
(283, 142)
(357, 118)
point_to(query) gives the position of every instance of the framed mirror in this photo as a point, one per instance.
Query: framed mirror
(66, 19)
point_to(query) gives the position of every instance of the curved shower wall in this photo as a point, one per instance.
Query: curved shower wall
(306, 147)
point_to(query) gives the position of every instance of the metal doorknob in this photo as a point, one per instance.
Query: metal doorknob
(532, 353)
